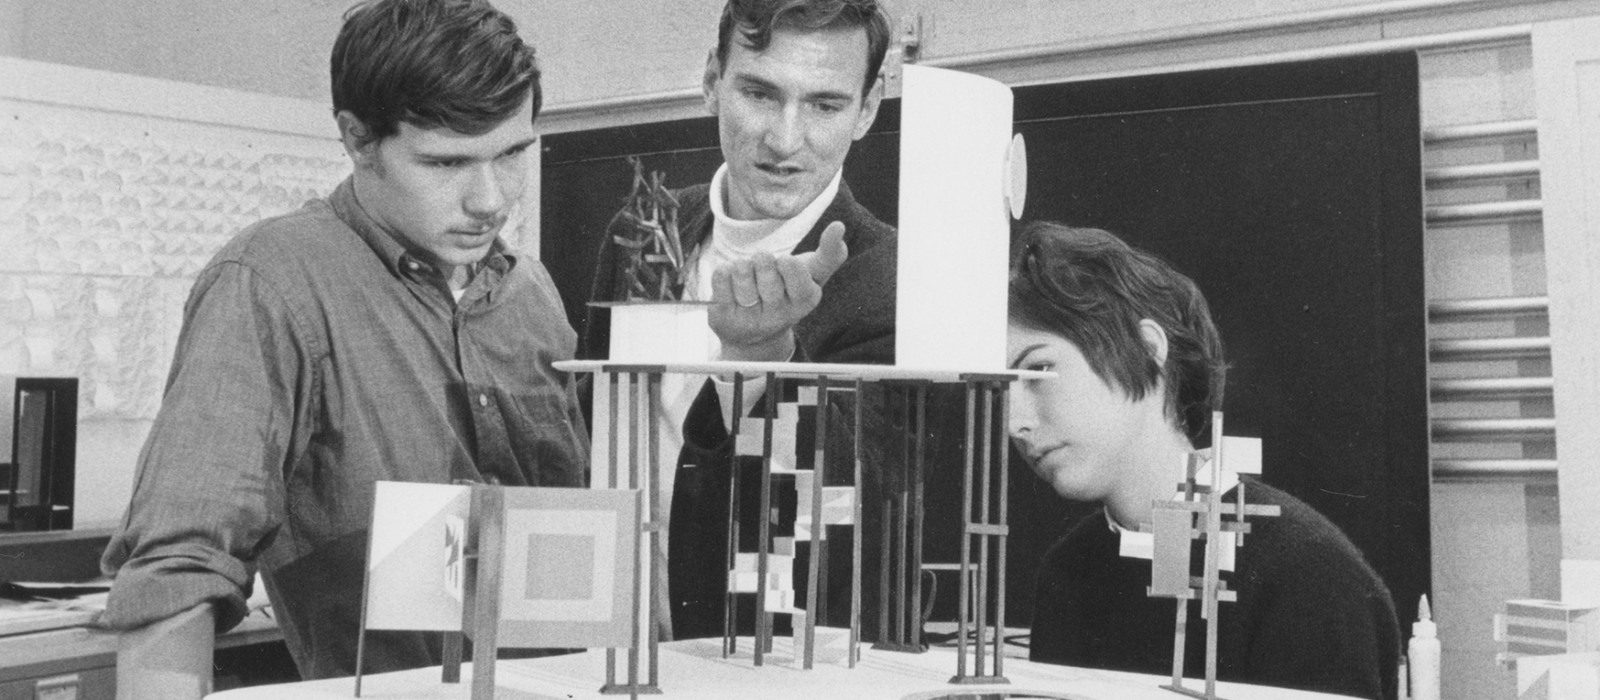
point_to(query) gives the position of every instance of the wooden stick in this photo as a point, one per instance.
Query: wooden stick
(814, 570)
(915, 483)
(966, 543)
(1213, 553)
(856, 530)
(730, 602)
(489, 507)
(657, 557)
(611, 482)
(1004, 476)
(986, 420)
(764, 529)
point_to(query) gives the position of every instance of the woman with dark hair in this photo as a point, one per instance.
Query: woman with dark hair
(1139, 370)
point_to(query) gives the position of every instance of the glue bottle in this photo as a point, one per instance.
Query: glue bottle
(1423, 655)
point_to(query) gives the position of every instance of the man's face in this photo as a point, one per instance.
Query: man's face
(444, 193)
(787, 116)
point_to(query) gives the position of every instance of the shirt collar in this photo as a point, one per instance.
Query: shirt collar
(387, 246)
(1112, 522)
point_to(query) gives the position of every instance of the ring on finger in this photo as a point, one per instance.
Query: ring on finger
(752, 303)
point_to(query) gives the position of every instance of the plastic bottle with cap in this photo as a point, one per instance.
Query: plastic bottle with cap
(1423, 654)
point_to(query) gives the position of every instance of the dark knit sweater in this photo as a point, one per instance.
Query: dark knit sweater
(1311, 614)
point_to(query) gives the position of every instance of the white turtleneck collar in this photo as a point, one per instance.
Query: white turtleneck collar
(733, 239)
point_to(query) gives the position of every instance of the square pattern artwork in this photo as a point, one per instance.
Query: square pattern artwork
(565, 549)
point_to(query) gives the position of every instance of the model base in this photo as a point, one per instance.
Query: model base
(626, 689)
(900, 647)
(1191, 693)
(978, 680)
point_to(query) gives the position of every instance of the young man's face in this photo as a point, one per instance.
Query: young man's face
(787, 117)
(444, 193)
(1076, 431)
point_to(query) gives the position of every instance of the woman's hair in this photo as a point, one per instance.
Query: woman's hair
(1089, 287)
(457, 64)
(755, 20)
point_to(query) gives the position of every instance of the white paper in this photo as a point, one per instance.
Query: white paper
(8, 392)
(955, 135)
(408, 564)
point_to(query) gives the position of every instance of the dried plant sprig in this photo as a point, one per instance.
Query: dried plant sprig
(646, 228)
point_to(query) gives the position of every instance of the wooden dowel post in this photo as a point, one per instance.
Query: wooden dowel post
(612, 469)
(965, 613)
(658, 574)
(1004, 476)
(918, 467)
(814, 578)
(764, 528)
(986, 440)
(857, 529)
(730, 603)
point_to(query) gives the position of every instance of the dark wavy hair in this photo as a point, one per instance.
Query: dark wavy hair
(457, 64)
(1091, 288)
(756, 20)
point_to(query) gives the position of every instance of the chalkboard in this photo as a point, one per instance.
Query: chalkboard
(1291, 193)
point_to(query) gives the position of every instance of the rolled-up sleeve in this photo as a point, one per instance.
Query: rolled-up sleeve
(209, 492)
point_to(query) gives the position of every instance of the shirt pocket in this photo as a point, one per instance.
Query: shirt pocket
(549, 448)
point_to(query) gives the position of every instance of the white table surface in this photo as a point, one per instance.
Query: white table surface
(695, 669)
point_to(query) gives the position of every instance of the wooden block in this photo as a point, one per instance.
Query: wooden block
(170, 658)
(1241, 455)
(1559, 677)
(830, 645)
(1169, 569)
(414, 570)
(838, 505)
(568, 559)
(781, 602)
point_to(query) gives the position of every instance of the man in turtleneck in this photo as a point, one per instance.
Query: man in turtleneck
(794, 269)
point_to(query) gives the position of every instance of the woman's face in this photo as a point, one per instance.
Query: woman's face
(1075, 431)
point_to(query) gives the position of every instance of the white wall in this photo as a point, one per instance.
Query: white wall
(589, 50)
(277, 48)
(114, 191)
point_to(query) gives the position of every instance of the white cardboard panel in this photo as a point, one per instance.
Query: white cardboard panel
(954, 231)
(408, 557)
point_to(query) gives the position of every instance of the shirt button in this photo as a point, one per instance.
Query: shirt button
(483, 400)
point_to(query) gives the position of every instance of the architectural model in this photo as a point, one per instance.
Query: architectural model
(460, 560)
(962, 174)
(1201, 513)
(457, 559)
(1553, 646)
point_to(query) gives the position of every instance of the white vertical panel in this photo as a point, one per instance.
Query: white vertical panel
(410, 554)
(527, 240)
(1492, 541)
(114, 191)
(8, 388)
(1566, 60)
(955, 130)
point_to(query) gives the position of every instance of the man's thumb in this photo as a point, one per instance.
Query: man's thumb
(829, 255)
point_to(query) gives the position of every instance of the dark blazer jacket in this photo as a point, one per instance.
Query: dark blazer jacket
(854, 323)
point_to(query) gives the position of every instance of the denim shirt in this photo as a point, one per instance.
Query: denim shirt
(317, 356)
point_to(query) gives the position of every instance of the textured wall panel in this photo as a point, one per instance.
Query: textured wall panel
(115, 190)
(105, 218)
